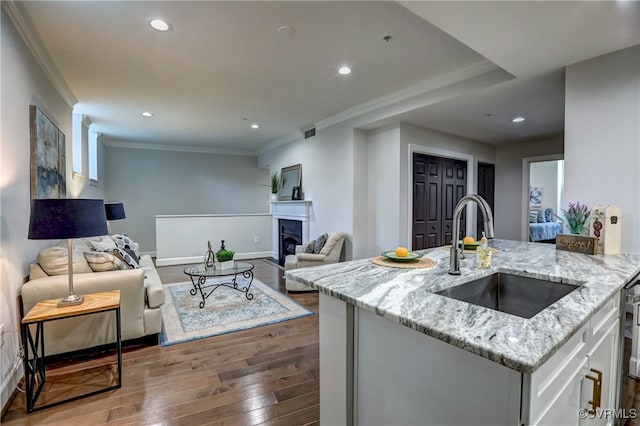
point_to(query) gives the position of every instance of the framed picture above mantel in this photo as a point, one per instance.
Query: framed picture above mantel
(290, 178)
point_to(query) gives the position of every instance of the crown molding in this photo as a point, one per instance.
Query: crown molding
(176, 148)
(291, 137)
(409, 92)
(18, 14)
(392, 98)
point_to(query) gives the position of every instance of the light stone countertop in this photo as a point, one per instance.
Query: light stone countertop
(407, 296)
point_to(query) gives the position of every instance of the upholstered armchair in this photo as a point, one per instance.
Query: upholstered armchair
(330, 253)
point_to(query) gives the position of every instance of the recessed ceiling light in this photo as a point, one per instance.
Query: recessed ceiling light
(518, 120)
(344, 70)
(285, 29)
(147, 114)
(255, 126)
(160, 25)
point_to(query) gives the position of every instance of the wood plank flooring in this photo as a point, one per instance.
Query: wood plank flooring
(266, 375)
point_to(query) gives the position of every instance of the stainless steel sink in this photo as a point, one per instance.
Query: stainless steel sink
(513, 294)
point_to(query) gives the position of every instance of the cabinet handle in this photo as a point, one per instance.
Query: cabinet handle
(597, 391)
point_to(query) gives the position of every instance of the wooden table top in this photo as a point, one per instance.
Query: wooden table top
(95, 302)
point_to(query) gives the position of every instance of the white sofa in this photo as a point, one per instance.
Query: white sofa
(330, 253)
(141, 296)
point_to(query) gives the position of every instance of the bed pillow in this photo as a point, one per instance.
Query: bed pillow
(533, 216)
(541, 216)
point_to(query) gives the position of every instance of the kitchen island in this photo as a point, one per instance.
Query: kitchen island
(394, 352)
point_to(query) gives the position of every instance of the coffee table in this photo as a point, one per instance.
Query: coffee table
(200, 273)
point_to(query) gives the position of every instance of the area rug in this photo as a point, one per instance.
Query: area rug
(226, 310)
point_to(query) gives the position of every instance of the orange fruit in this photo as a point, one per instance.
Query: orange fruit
(468, 240)
(402, 251)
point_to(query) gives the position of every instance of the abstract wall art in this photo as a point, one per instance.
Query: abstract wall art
(48, 157)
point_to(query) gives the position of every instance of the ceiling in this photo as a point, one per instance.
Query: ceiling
(225, 65)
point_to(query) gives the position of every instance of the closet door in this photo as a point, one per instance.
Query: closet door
(454, 184)
(438, 185)
(426, 202)
(486, 189)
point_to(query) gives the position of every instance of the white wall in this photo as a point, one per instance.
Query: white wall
(182, 239)
(361, 187)
(508, 200)
(23, 84)
(151, 182)
(327, 178)
(545, 174)
(383, 204)
(602, 137)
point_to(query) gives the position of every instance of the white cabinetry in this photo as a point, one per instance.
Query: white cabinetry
(580, 376)
(396, 375)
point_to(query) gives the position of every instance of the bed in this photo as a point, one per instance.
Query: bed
(544, 231)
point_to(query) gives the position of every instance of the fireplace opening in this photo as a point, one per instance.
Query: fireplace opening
(290, 237)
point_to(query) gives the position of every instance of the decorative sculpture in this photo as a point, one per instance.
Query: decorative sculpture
(209, 258)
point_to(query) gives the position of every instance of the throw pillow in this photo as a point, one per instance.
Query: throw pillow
(102, 244)
(548, 215)
(540, 216)
(100, 261)
(55, 261)
(320, 242)
(308, 248)
(533, 216)
(124, 242)
(123, 255)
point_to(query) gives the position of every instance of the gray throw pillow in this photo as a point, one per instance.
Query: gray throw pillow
(309, 247)
(320, 242)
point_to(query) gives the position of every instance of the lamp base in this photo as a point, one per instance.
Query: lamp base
(70, 300)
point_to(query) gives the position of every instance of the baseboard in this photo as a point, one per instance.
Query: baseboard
(200, 259)
(10, 384)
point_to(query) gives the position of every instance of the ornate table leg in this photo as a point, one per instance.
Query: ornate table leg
(201, 282)
(249, 276)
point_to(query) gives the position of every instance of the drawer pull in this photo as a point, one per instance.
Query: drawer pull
(597, 391)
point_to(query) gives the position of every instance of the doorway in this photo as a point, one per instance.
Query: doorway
(438, 184)
(542, 189)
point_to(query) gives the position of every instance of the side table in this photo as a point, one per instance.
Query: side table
(34, 349)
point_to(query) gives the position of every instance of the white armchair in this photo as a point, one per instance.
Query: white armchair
(330, 253)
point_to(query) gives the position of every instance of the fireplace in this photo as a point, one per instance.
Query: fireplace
(290, 236)
(289, 227)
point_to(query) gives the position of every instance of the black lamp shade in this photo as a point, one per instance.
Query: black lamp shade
(53, 219)
(114, 211)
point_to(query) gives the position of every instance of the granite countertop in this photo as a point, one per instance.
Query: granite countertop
(407, 296)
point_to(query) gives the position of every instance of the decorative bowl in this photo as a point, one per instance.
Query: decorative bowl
(391, 255)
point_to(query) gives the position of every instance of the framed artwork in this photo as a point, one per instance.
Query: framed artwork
(48, 157)
(535, 196)
(290, 177)
(296, 195)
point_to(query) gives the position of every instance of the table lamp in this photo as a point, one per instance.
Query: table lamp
(114, 211)
(55, 219)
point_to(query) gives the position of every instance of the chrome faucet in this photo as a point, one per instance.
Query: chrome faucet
(487, 215)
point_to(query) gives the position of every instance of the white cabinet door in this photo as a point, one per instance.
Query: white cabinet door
(564, 409)
(602, 365)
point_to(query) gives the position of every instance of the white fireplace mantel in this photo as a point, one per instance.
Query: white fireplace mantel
(291, 210)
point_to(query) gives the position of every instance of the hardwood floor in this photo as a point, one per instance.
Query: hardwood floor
(266, 375)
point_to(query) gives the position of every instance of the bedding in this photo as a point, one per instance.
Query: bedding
(544, 231)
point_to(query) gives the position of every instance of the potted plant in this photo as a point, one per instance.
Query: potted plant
(576, 217)
(224, 258)
(275, 182)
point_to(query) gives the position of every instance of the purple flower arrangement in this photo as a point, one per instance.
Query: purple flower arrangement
(576, 217)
